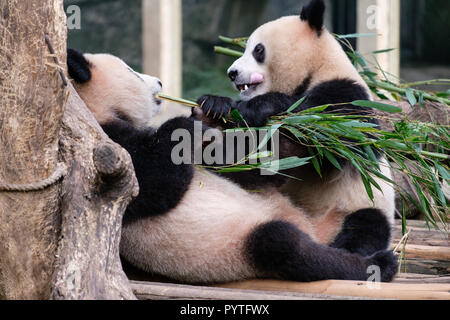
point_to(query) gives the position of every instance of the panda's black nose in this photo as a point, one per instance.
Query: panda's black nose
(233, 74)
(160, 84)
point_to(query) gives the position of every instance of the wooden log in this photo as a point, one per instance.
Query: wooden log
(410, 278)
(100, 184)
(32, 103)
(164, 291)
(420, 234)
(421, 224)
(429, 267)
(426, 252)
(351, 289)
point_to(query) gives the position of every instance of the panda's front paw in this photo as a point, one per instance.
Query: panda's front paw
(215, 107)
(387, 263)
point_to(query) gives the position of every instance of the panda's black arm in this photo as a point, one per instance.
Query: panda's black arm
(162, 183)
(256, 112)
(340, 92)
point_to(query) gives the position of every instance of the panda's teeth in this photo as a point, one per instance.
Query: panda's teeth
(243, 87)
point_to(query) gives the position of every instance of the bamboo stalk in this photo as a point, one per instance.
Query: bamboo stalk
(427, 82)
(240, 42)
(392, 88)
(228, 52)
(183, 102)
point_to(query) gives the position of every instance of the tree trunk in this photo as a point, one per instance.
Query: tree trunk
(57, 239)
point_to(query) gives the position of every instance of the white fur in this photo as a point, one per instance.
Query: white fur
(123, 90)
(203, 239)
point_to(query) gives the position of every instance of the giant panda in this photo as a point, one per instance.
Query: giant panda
(285, 60)
(191, 225)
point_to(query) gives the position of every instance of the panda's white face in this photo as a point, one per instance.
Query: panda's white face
(250, 74)
(117, 91)
(282, 54)
(279, 55)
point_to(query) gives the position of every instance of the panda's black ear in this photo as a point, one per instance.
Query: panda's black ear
(78, 67)
(314, 13)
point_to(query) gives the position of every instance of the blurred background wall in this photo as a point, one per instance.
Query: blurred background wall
(115, 26)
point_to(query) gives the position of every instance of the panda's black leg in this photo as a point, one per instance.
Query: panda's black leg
(280, 250)
(364, 232)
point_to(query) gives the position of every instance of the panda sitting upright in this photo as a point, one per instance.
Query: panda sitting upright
(286, 60)
(191, 225)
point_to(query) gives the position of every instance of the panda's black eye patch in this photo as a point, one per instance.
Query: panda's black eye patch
(259, 53)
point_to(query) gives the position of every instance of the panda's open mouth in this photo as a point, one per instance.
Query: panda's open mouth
(156, 99)
(255, 80)
(246, 87)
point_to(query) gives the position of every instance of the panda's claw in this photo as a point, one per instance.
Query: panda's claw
(215, 107)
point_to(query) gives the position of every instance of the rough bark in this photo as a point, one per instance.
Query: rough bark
(61, 242)
(32, 105)
(96, 192)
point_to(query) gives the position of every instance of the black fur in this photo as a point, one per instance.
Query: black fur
(215, 107)
(162, 183)
(279, 250)
(364, 232)
(314, 12)
(78, 67)
(338, 91)
(257, 111)
(259, 53)
(301, 89)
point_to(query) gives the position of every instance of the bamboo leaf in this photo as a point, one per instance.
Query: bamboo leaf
(296, 105)
(302, 119)
(377, 105)
(285, 164)
(332, 159)
(356, 35)
(269, 135)
(383, 51)
(442, 171)
(368, 187)
(411, 97)
(236, 115)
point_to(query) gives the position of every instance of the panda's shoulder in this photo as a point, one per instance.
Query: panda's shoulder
(339, 89)
(125, 134)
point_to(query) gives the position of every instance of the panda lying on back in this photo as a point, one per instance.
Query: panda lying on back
(191, 225)
(285, 60)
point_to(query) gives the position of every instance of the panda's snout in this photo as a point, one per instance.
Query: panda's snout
(233, 74)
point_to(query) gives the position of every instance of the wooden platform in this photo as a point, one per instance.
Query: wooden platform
(425, 275)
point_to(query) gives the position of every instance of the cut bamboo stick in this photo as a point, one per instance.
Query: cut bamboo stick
(183, 102)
